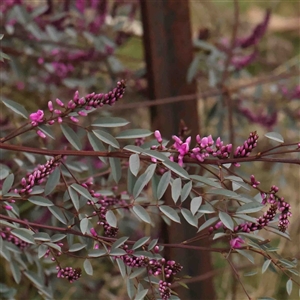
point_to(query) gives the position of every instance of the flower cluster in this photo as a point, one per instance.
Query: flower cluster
(76, 106)
(39, 174)
(105, 202)
(248, 146)
(155, 266)
(291, 94)
(283, 207)
(69, 273)
(108, 230)
(164, 289)
(6, 235)
(57, 253)
(277, 205)
(236, 243)
(205, 147)
(254, 182)
(266, 119)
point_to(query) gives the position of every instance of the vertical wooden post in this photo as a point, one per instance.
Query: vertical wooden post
(169, 52)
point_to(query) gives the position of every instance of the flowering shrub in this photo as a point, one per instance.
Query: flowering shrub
(81, 194)
(77, 213)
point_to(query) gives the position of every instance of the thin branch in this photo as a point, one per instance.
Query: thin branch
(127, 154)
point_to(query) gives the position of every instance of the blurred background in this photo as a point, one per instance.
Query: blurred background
(225, 68)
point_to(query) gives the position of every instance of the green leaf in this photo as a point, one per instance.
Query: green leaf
(16, 107)
(250, 208)
(111, 218)
(141, 295)
(142, 241)
(163, 184)
(130, 288)
(141, 213)
(265, 266)
(134, 149)
(119, 242)
(189, 217)
(176, 168)
(193, 69)
(15, 270)
(81, 190)
(24, 235)
(122, 267)
(34, 278)
(226, 220)
(156, 154)
(74, 197)
(219, 235)
(42, 250)
(208, 223)
(276, 231)
(77, 247)
(134, 164)
(289, 286)
(52, 181)
(206, 209)
(42, 236)
(195, 204)
(246, 254)
(222, 192)
(152, 244)
(57, 237)
(106, 138)
(137, 272)
(40, 201)
(251, 273)
(3, 173)
(57, 213)
(205, 180)
(133, 134)
(143, 180)
(186, 191)
(117, 252)
(116, 171)
(97, 253)
(88, 268)
(176, 189)
(109, 122)
(275, 137)
(7, 184)
(84, 223)
(71, 136)
(170, 213)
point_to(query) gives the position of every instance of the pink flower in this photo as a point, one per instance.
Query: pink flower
(41, 134)
(37, 117)
(236, 243)
(158, 136)
(7, 207)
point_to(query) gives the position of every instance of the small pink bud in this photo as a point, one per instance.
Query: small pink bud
(59, 102)
(82, 113)
(50, 106)
(7, 207)
(41, 134)
(59, 120)
(75, 120)
(158, 136)
(57, 111)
